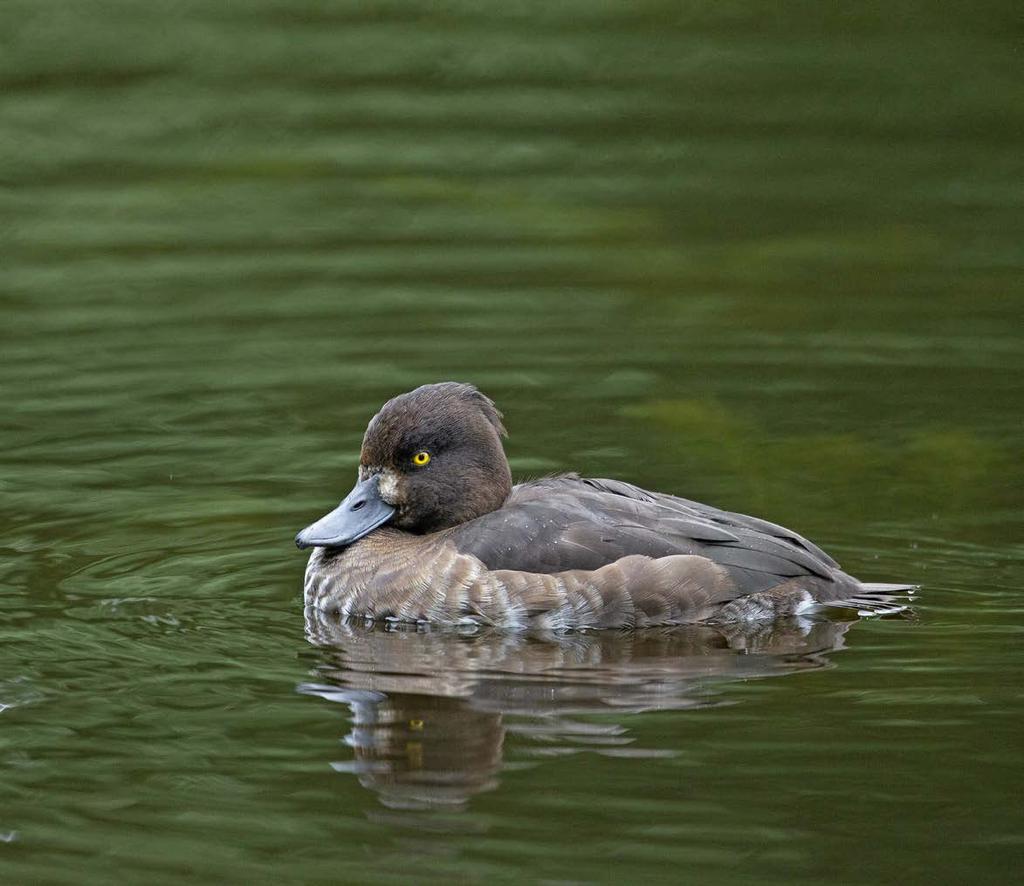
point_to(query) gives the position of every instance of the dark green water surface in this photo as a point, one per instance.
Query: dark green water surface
(766, 256)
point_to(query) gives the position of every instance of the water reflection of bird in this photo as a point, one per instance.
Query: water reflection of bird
(431, 709)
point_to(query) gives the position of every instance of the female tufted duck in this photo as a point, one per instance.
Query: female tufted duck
(434, 531)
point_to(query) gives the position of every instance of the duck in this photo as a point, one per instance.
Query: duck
(435, 533)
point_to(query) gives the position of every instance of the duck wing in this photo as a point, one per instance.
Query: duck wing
(568, 523)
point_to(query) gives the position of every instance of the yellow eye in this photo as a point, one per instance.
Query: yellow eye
(421, 458)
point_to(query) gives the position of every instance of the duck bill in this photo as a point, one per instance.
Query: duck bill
(362, 511)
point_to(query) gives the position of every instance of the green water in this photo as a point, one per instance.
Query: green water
(765, 256)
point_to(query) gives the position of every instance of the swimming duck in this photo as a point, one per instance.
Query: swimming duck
(435, 532)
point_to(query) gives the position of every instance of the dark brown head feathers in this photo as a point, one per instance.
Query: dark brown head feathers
(467, 474)
(429, 410)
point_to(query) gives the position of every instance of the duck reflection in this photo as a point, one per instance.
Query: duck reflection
(431, 709)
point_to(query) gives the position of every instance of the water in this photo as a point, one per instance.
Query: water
(769, 260)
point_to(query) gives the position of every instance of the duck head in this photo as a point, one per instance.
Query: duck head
(431, 459)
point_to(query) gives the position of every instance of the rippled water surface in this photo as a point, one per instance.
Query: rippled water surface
(766, 258)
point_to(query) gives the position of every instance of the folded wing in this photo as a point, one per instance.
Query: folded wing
(566, 523)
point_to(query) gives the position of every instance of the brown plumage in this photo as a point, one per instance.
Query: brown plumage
(435, 532)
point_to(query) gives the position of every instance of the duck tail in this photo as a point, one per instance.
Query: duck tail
(876, 598)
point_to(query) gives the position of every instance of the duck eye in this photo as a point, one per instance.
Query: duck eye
(421, 458)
